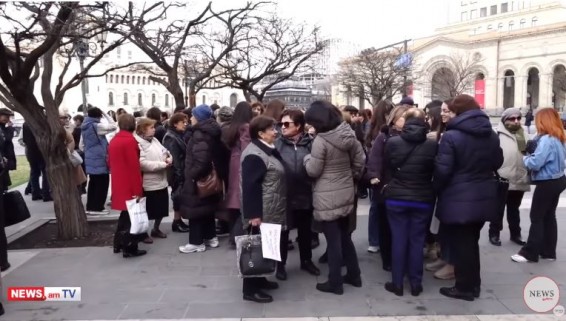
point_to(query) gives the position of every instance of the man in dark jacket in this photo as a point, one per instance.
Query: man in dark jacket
(37, 166)
(293, 146)
(8, 152)
(468, 156)
(410, 197)
(4, 179)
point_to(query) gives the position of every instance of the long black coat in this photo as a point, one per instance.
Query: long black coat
(203, 148)
(173, 141)
(468, 156)
(8, 153)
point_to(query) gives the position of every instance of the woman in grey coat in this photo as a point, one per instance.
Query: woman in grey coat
(336, 159)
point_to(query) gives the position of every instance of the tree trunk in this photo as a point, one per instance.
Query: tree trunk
(247, 95)
(192, 95)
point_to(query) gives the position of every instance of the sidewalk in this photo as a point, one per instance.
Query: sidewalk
(166, 284)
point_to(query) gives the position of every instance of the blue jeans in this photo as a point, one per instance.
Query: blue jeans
(408, 230)
(373, 226)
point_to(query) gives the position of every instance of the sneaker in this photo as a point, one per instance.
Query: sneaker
(213, 242)
(435, 266)
(98, 213)
(518, 258)
(191, 248)
(445, 273)
(373, 249)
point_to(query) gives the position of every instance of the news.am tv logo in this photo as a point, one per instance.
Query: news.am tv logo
(44, 293)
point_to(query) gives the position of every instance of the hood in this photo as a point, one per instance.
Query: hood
(89, 120)
(209, 126)
(414, 131)
(303, 141)
(472, 122)
(341, 137)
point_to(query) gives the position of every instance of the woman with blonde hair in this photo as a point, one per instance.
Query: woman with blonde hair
(154, 160)
(546, 163)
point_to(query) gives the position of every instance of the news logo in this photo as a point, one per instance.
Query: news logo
(541, 294)
(41, 293)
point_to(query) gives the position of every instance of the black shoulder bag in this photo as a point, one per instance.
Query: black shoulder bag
(401, 165)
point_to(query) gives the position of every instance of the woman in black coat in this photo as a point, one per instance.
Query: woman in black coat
(205, 152)
(173, 141)
(468, 157)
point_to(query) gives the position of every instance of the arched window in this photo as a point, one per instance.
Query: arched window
(511, 24)
(204, 99)
(522, 23)
(233, 100)
(122, 79)
(110, 99)
(489, 27)
(152, 100)
(140, 100)
(111, 78)
(534, 21)
(143, 81)
(166, 100)
(128, 80)
(500, 27)
(125, 99)
(139, 80)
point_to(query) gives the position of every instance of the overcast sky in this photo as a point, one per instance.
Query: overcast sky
(370, 22)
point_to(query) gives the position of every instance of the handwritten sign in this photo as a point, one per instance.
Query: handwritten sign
(270, 241)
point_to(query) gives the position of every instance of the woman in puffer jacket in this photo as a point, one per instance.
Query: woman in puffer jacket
(154, 161)
(336, 159)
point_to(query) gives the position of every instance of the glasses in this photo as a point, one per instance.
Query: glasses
(514, 118)
(286, 124)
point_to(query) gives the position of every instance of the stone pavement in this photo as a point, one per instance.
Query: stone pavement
(166, 284)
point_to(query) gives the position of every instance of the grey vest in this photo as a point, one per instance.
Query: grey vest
(273, 187)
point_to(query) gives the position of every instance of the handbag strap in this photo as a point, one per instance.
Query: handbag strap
(406, 158)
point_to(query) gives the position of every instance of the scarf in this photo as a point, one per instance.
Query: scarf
(519, 137)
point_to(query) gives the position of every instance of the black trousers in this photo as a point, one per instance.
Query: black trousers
(340, 247)
(303, 221)
(122, 236)
(97, 192)
(252, 285)
(466, 254)
(385, 238)
(201, 229)
(543, 234)
(3, 239)
(512, 202)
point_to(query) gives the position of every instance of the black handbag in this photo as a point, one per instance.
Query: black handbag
(251, 258)
(15, 208)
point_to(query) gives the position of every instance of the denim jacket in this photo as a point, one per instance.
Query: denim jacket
(547, 162)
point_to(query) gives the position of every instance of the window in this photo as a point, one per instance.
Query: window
(122, 79)
(500, 27)
(166, 100)
(473, 14)
(119, 52)
(204, 99)
(464, 16)
(522, 23)
(129, 55)
(143, 81)
(139, 80)
(140, 99)
(504, 7)
(489, 27)
(152, 100)
(125, 99)
(534, 22)
(493, 10)
(110, 99)
(111, 78)
(511, 24)
(483, 12)
(128, 80)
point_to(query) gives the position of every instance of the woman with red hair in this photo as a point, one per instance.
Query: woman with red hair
(546, 163)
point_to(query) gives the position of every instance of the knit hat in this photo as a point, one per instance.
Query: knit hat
(407, 101)
(510, 112)
(202, 112)
(225, 114)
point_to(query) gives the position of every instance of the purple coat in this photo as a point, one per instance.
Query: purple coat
(375, 162)
(233, 194)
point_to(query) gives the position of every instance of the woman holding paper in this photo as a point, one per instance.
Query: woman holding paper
(126, 179)
(264, 193)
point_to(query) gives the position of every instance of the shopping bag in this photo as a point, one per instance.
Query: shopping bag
(15, 208)
(138, 216)
(251, 262)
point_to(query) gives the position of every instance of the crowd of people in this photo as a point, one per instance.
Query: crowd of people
(434, 177)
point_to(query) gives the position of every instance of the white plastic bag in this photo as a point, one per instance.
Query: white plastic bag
(138, 216)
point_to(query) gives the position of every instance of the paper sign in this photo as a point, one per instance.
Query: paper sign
(270, 241)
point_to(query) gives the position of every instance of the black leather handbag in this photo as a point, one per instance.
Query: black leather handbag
(251, 258)
(15, 208)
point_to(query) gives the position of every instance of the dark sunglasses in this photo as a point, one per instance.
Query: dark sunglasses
(286, 124)
(514, 118)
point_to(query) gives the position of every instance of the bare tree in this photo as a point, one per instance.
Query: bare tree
(24, 44)
(274, 50)
(375, 75)
(211, 34)
(455, 76)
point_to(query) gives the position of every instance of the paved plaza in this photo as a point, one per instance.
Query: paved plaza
(166, 284)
